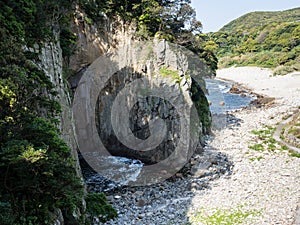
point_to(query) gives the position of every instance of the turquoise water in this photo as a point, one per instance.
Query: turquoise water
(218, 93)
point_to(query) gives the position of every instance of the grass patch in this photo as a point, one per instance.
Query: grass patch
(264, 133)
(265, 140)
(282, 133)
(291, 132)
(221, 216)
(283, 70)
(173, 74)
(271, 147)
(294, 154)
(257, 147)
(256, 158)
(295, 131)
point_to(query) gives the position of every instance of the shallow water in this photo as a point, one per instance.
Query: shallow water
(218, 93)
(118, 171)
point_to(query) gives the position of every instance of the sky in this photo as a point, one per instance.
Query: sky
(214, 14)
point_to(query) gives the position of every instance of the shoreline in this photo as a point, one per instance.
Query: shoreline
(261, 100)
(266, 180)
(262, 82)
(285, 101)
(228, 174)
(263, 180)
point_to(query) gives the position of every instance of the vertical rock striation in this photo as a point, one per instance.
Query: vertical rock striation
(178, 73)
(51, 63)
(166, 73)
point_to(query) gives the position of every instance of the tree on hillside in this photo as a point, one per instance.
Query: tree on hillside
(268, 39)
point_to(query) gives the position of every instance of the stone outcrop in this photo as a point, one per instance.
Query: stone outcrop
(97, 39)
(51, 63)
(165, 73)
(165, 94)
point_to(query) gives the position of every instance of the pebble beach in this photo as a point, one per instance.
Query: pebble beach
(261, 186)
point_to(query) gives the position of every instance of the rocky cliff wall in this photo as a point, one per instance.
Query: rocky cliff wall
(97, 38)
(108, 56)
(51, 63)
(157, 77)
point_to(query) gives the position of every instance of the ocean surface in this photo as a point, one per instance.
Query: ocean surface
(221, 100)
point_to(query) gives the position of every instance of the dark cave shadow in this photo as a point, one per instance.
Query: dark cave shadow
(171, 200)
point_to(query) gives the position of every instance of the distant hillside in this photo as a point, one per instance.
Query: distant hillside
(261, 19)
(267, 39)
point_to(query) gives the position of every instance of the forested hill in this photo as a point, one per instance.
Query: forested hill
(266, 39)
(261, 19)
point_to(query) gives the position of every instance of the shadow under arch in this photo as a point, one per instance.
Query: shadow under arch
(100, 83)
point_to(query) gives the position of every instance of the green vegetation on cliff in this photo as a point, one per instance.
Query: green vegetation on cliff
(174, 21)
(266, 39)
(37, 172)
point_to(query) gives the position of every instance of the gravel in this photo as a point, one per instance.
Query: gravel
(227, 175)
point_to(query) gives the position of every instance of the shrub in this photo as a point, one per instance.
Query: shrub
(283, 70)
(97, 206)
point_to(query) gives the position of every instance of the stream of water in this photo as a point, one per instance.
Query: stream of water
(221, 100)
(124, 170)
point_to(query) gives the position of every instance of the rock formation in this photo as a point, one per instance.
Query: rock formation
(107, 55)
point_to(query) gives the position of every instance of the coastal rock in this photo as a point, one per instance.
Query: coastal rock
(57, 217)
(262, 101)
(264, 184)
(141, 202)
(200, 169)
(51, 62)
(158, 102)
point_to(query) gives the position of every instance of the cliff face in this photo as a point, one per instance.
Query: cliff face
(97, 39)
(127, 86)
(109, 60)
(164, 94)
(51, 63)
(93, 41)
(35, 46)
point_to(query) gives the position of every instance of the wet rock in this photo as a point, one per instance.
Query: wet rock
(141, 202)
(117, 197)
(139, 193)
(178, 175)
(200, 169)
(262, 101)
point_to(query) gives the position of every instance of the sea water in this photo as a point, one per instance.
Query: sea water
(118, 171)
(221, 101)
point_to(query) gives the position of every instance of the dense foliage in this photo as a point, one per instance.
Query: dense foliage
(255, 19)
(267, 39)
(37, 173)
(96, 206)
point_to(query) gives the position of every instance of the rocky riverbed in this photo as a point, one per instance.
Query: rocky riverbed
(228, 175)
(261, 186)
